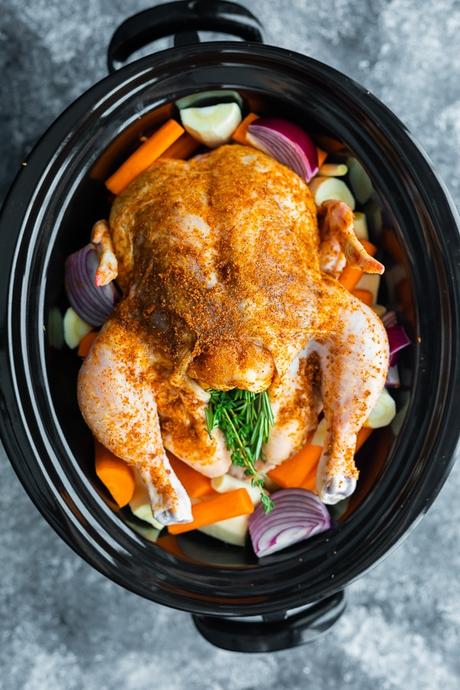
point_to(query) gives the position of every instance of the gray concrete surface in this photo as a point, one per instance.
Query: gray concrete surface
(62, 625)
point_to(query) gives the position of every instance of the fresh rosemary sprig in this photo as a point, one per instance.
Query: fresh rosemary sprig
(245, 419)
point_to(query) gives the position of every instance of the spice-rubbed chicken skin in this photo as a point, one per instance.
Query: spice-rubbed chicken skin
(226, 285)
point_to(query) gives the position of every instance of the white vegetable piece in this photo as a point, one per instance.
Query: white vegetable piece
(383, 412)
(371, 282)
(359, 180)
(320, 434)
(228, 483)
(212, 125)
(74, 328)
(333, 170)
(140, 503)
(231, 531)
(324, 188)
(360, 225)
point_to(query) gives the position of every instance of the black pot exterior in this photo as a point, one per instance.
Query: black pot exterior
(62, 180)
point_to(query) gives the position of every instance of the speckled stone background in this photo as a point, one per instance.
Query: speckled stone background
(62, 625)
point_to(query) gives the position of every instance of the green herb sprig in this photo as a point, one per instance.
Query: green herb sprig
(245, 419)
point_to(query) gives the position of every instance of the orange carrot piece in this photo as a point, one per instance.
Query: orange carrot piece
(195, 483)
(322, 155)
(85, 343)
(365, 296)
(291, 473)
(351, 275)
(115, 474)
(144, 156)
(169, 544)
(221, 507)
(182, 148)
(363, 435)
(239, 135)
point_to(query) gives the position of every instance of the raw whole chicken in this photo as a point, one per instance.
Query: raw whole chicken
(228, 282)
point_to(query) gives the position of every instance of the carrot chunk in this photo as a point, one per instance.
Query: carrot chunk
(195, 483)
(85, 343)
(291, 473)
(363, 435)
(115, 474)
(322, 155)
(365, 296)
(182, 149)
(239, 135)
(144, 156)
(220, 507)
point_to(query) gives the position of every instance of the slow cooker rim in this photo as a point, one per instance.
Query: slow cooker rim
(118, 76)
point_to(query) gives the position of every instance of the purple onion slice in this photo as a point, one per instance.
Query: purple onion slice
(297, 515)
(93, 304)
(287, 143)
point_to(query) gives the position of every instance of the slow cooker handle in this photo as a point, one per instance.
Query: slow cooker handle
(275, 632)
(182, 19)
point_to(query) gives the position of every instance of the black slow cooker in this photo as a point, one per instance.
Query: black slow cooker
(238, 602)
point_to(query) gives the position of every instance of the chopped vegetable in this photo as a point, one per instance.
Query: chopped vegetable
(324, 188)
(297, 515)
(55, 328)
(74, 328)
(363, 435)
(359, 181)
(215, 97)
(241, 132)
(287, 143)
(365, 296)
(182, 149)
(374, 217)
(322, 155)
(115, 474)
(215, 509)
(319, 436)
(360, 225)
(351, 275)
(232, 531)
(227, 483)
(195, 483)
(393, 380)
(333, 170)
(291, 473)
(370, 282)
(380, 310)
(212, 125)
(383, 412)
(93, 304)
(85, 343)
(245, 419)
(140, 503)
(389, 319)
(398, 340)
(144, 156)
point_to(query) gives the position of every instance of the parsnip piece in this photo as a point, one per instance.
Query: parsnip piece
(228, 483)
(383, 412)
(371, 282)
(74, 328)
(324, 188)
(360, 225)
(231, 531)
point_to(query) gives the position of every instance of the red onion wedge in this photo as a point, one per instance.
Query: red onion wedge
(398, 340)
(93, 304)
(389, 319)
(287, 143)
(297, 515)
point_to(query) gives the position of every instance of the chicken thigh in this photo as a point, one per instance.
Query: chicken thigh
(226, 285)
